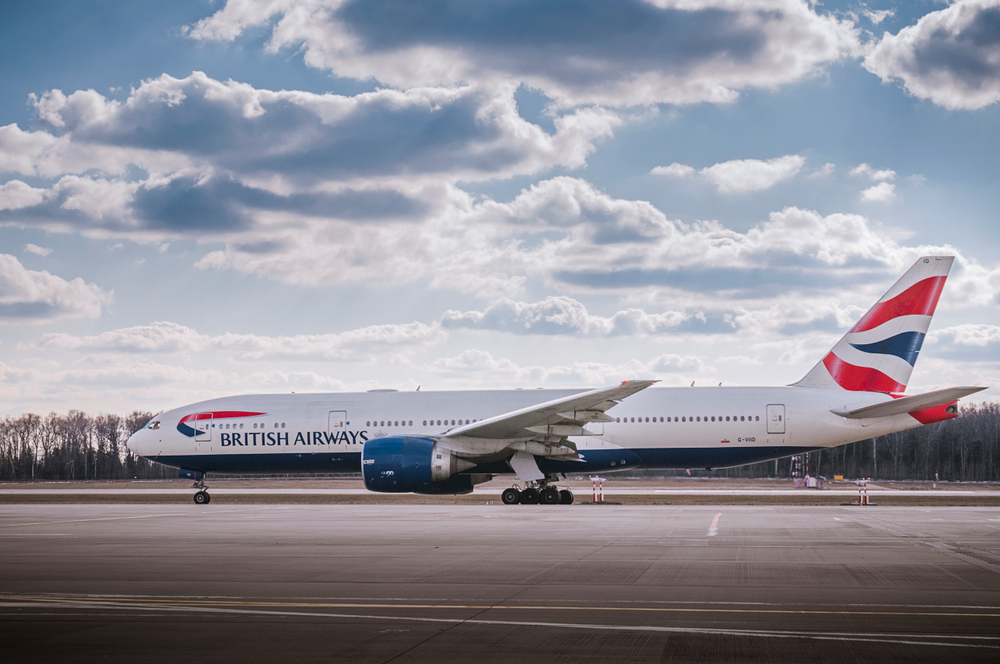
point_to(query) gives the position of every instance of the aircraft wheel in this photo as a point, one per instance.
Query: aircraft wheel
(549, 496)
(202, 498)
(511, 496)
(565, 497)
(529, 497)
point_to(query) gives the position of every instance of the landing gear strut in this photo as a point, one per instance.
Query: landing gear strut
(537, 493)
(201, 497)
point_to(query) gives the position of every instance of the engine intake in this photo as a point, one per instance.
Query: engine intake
(405, 464)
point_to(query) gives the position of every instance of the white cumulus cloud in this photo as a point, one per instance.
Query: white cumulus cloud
(744, 175)
(740, 175)
(35, 249)
(34, 296)
(881, 192)
(662, 51)
(950, 56)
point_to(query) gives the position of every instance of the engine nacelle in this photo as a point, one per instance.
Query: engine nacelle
(405, 464)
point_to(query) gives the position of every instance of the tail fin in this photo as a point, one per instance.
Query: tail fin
(878, 353)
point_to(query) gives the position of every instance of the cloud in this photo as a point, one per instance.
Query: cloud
(159, 337)
(35, 249)
(743, 175)
(876, 16)
(883, 192)
(824, 171)
(219, 158)
(561, 315)
(740, 175)
(482, 367)
(612, 54)
(459, 133)
(674, 170)
(878, 176)
(30, 296)
(167, 337)
(15, 195)
(564, 233)
(968, 334)
(950, 56)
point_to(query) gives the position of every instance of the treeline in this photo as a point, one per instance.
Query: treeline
(77, 446)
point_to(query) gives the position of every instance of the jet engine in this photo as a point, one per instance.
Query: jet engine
(410, 464)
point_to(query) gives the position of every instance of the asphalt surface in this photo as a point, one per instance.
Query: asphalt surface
(464, 583)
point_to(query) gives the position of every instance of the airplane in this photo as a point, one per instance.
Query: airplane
(448, 442)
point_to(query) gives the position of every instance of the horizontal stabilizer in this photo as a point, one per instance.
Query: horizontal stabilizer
(909, 404)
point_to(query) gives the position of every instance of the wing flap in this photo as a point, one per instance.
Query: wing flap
(909, 404)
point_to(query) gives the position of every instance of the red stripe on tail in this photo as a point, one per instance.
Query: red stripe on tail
(920, 299)
(860, 379)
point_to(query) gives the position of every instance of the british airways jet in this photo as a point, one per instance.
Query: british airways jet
(447, 442)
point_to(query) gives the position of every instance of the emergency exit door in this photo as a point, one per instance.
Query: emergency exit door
(776, 418)
(337, 421)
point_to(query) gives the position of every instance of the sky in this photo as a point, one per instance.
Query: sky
(208, 198)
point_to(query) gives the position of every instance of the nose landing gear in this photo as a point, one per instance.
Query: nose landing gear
(201, 497)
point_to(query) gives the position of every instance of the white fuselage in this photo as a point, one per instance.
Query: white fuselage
(655, 428)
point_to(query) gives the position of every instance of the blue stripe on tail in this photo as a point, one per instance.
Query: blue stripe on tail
(905, 345)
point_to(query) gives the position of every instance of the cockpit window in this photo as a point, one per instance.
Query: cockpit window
(154, 424)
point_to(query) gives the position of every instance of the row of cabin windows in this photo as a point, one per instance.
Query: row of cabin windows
(255, 425)
(396, 423)
(735, 418)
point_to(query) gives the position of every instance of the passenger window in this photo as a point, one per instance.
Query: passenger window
(410, 424)
(241, 425)
(699, 418)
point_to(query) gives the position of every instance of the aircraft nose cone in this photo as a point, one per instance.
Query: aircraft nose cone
(134, 443)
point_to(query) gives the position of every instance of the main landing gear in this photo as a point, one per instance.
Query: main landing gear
(201, 497)
(536, 493)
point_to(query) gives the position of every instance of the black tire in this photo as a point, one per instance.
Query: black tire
(202, 498)
(565, 497)
(511, 496)
(549, 496)
(529, 497)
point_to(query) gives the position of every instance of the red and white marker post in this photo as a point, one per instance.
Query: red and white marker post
(862, 492)
(598, 488)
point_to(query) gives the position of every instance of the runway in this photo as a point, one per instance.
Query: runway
(490, 583)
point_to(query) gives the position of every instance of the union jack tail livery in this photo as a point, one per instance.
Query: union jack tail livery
(878, 353)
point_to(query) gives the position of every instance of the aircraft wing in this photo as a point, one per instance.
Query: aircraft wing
(556, 419)
(909, 404)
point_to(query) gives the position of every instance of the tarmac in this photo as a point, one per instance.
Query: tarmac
(495, 583)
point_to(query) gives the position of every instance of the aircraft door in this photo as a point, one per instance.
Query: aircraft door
(203, 428)
(776, 418)
(337, 423)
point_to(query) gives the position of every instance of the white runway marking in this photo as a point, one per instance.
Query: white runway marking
(106, 518)
(944, 640)
(713, 530)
